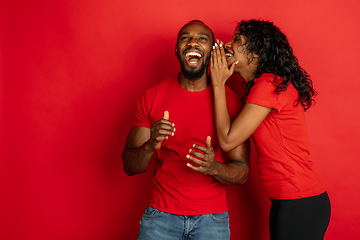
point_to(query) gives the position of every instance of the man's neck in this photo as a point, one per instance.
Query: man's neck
(194, 85)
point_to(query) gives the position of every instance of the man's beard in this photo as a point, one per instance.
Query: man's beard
(193, 74)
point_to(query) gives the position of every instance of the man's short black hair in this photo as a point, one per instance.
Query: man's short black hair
(198, 21)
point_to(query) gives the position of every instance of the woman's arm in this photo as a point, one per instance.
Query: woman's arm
(220, 73)
(231, 135)
(244, 125)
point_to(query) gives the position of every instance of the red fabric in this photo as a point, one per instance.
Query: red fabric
(178, 189)
(282, 144)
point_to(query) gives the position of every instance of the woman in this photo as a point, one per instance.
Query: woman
(277, 93)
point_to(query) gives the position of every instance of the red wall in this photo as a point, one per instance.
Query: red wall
(72, 72)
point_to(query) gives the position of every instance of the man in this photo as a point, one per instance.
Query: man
(173, 121)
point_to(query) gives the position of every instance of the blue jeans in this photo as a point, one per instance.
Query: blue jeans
(158, 225)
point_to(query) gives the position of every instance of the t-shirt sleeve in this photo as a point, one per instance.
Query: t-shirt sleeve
(263, 93)
(142, 113)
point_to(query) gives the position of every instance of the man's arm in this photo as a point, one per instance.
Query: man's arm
(237, 169)
(235, 172)
(142, 142)
(137, 153)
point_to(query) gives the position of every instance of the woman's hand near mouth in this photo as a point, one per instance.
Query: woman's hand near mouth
(219, 70)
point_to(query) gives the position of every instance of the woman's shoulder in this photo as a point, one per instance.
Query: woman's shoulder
(267, 80)
(267, 77)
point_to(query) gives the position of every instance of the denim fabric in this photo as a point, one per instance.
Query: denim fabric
(158, 225)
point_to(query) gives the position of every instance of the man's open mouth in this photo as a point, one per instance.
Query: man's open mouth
(193, 57)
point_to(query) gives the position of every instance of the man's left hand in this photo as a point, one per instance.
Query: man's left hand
(204, 157)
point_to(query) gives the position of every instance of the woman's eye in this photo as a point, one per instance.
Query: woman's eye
(237, 38)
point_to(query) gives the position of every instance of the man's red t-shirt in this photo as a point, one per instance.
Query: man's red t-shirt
(178, 189)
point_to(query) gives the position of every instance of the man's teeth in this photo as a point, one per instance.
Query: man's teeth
(193, 54)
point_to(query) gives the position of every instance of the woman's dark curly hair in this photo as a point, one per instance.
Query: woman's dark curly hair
(275, 56)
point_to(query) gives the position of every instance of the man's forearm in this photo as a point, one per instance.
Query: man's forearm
(234, 173)
(136, 160)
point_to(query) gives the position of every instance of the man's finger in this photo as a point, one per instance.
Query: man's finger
(166, 115)
(197, 169)
(208, 141)
(195, 159)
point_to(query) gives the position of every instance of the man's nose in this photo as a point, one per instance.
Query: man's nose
(193, 41)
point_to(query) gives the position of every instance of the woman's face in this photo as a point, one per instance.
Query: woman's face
(236, 50)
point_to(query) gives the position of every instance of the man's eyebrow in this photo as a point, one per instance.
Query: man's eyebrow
(184, 33)
(205, 34)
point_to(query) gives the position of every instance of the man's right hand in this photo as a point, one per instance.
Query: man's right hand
(160, 131)
(142, 142)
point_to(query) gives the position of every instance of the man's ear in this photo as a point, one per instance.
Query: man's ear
(176, 51)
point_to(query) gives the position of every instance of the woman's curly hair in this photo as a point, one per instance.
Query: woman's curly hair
(275, 56)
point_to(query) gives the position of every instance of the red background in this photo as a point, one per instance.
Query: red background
(72, 72)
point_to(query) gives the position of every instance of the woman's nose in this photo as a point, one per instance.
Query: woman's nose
(228, 45)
